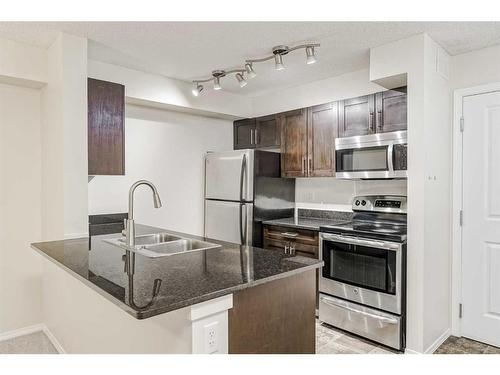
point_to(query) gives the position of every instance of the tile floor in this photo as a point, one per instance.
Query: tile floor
(461, 345)
(33, 343)
(332, 341)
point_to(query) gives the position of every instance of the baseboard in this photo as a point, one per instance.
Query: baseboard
(21, 332)
(53, 340)
(436, 344)
(32, 329)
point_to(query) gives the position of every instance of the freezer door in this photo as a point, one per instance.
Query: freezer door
(229, 175)
(229, 221)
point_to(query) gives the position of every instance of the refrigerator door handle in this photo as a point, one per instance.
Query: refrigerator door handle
(242, 175)
(243, 231)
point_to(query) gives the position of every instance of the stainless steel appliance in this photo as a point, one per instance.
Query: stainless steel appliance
(375, 156)
(363, 281)
(242, 189)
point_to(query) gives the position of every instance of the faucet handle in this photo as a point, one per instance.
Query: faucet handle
(124, 231)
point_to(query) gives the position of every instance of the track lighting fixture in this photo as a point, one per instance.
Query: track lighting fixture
(197, 88)
(277, 54)
(250, 72)
(311, 59)
(241, 80)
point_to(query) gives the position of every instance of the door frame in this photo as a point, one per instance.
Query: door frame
(457, 198)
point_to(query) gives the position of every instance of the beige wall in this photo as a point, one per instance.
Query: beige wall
(475, 68)
(20, 207)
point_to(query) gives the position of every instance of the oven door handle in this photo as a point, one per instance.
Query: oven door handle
(384, 319)
(359, 241)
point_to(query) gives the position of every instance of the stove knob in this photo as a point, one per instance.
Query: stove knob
(363, 203)
(357, 202)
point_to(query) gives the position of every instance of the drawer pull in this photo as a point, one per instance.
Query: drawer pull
(290, 234)
(330, 302)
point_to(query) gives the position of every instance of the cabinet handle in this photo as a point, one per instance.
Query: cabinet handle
(310, 166)
(256, 136)
(303, 164)
(251, 136)
(380, 125)
(289, 234)
(372, 128)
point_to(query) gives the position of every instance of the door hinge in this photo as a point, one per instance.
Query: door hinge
(462, 124)
(461, 218)
(460, 310)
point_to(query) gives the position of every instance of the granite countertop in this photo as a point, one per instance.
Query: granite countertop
(312, 219)
(186, 279)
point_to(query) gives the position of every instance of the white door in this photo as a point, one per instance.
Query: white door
(228, 175)
(229, 221)
(481, 227)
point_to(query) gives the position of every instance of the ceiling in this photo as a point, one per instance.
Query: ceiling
(190, 50)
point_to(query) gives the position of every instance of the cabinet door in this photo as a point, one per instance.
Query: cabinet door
(391, 110)
(322, 124)
(244, 134)
(267, 131)
(106, 139)
(293, 143)
(357, 116)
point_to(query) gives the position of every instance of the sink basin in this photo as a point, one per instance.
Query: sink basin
(152, 239)
(175, 247)
(162, 244)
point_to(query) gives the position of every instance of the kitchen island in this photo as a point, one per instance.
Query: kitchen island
(253, 300)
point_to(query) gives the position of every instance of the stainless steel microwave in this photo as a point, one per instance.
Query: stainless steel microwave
(374, 156)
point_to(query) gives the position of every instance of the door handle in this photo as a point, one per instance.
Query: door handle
(330, 302)
(242, 174)
(243, 231)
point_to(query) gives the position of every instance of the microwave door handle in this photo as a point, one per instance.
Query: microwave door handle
(343, 306)
(390, 155)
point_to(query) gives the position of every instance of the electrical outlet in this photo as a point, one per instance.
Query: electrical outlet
(211, 333)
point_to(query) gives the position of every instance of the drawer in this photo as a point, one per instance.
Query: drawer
(364, 321)
(305, 242)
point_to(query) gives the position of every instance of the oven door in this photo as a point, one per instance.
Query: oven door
(365, 271)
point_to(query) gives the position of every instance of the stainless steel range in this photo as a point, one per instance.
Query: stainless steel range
(363, 282)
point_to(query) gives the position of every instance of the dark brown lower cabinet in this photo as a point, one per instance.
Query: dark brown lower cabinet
(275, 318)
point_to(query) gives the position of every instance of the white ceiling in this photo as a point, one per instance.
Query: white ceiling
(190, 50)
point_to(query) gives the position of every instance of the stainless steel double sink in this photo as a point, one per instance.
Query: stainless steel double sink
(162, 244)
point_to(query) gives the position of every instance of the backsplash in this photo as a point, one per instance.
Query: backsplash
(334, 194)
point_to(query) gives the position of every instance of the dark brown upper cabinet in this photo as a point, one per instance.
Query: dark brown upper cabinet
(260, 132)
(293, 143)
(243, 133)
(322, 125)
(357, 116)
(391, 110)
(267, 132)
(106, 135)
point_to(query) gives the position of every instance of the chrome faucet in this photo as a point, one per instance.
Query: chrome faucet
(129, 231)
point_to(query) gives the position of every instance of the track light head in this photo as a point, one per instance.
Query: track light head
(250, 72)
(311, 58)
(241, 80)
(217, 74)
(278, 52)
(197, 89)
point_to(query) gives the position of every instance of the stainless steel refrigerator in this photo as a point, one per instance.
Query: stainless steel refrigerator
(242, 189)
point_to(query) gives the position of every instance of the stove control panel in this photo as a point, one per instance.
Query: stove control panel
(380, 203)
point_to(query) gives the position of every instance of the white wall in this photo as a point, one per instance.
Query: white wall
(327, 90)
(64, 139)
(20, 207)
(330, 193)
(153, 89)
(475, 68)
(166, 148)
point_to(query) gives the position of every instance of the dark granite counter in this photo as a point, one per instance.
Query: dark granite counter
(312, 219)
(181, 280)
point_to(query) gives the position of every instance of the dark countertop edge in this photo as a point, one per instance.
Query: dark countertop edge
(189, 302)
(281, 223)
